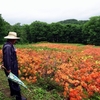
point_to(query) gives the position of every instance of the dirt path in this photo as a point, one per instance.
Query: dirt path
(4, 87)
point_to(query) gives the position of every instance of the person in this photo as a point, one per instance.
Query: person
(10, 63)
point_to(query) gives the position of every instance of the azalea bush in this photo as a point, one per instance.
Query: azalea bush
(74, 69)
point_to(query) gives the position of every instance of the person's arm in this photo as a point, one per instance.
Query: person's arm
(7, 58)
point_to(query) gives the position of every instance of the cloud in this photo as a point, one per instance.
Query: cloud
(27, 11)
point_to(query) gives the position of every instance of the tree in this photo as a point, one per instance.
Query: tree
(18, 29)
(91, 31)
(4, 29)
(25, 36)
(38, 31)
(55, 31)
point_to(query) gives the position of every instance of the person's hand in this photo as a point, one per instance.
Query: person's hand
(8, 71)
(2, 67)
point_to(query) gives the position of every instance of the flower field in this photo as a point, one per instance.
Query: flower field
(75, 68)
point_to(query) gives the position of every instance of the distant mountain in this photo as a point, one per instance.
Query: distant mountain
(73, 21)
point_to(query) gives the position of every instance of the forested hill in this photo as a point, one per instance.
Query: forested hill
(73, 21)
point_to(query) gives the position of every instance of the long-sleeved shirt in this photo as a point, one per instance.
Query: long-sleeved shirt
(9, 58)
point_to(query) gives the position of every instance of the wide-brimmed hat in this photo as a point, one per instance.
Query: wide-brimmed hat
(12, 35)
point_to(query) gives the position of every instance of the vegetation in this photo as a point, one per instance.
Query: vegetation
(37, 93)
(67, 31)
(57, 72)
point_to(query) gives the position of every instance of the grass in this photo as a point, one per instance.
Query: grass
(37, 93)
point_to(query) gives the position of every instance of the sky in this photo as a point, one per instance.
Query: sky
(49, 11)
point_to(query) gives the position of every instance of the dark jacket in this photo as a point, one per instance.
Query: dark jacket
(9, 58)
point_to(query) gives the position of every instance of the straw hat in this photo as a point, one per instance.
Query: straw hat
(12, 35)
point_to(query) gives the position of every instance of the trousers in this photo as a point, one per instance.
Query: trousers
(14, 88)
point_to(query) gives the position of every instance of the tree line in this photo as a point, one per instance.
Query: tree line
(67, 31)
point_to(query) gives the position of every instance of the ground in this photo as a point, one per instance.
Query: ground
(4, 87)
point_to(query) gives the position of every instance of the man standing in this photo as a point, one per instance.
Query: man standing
(11, 64)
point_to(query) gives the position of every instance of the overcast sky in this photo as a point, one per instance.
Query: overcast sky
(28, 11)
